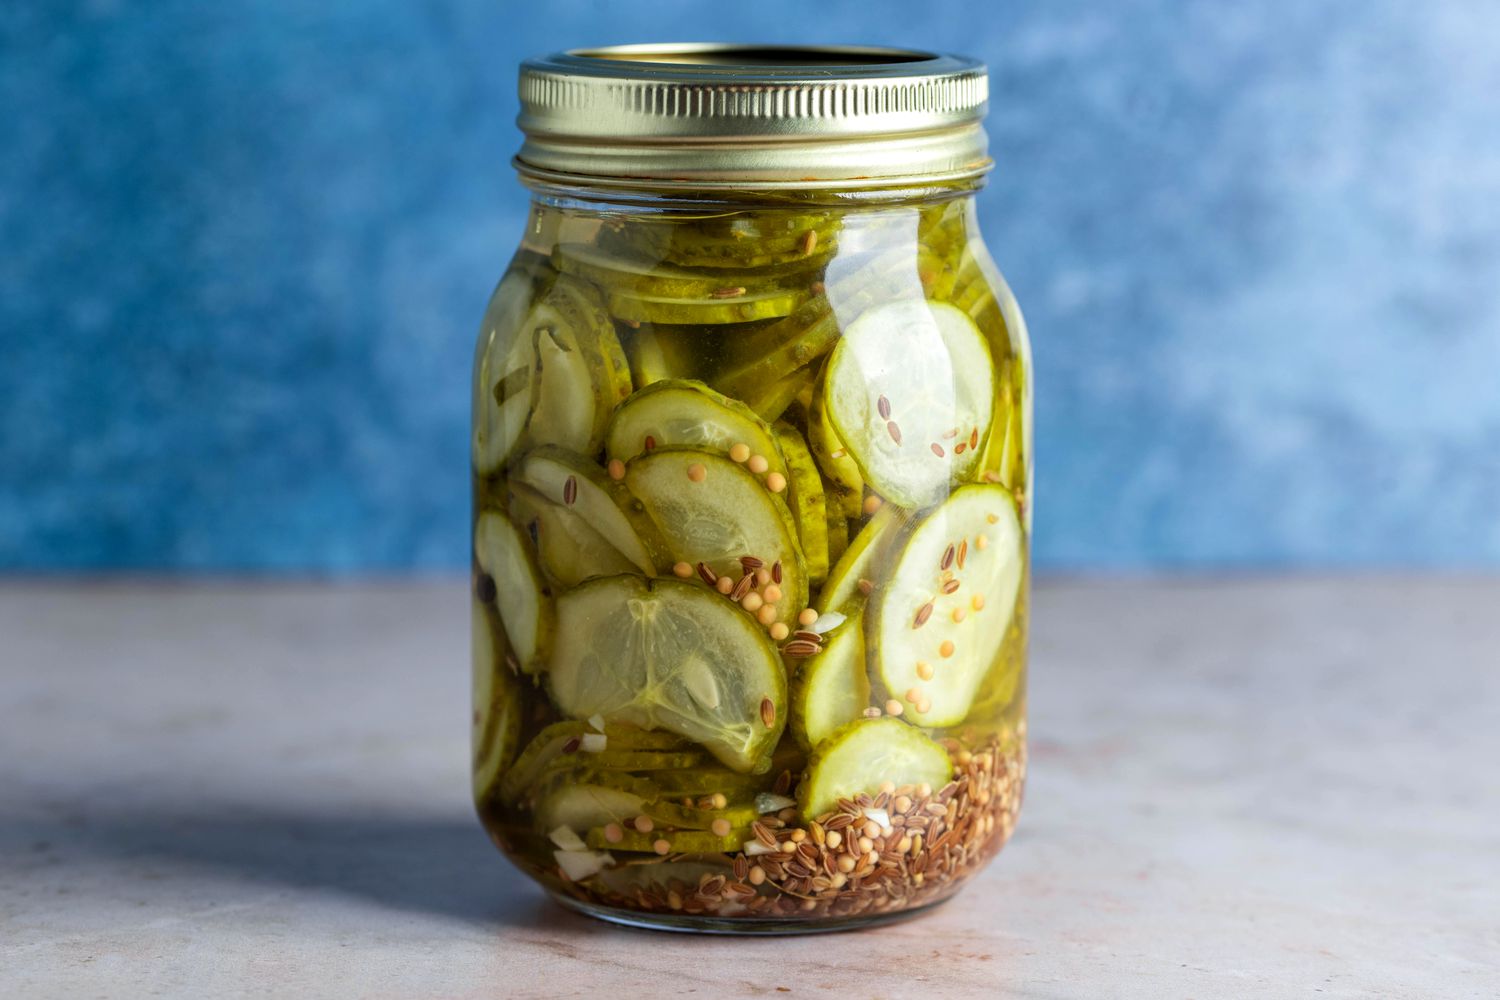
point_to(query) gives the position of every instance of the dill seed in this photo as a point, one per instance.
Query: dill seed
(572, 745)
(708, 575)
(974, 438)
(949, 586)
(747, 563)
(963, 550)
(650, 443)
(728, 292)
(958, 449)
(807, 636)
(742, 589)
(884, 406)
(872, 713)
(799, 648)
(893, 431)
(697, 473)
(767, 712)
(570, 490)
(923, 613)
(776, 572)
(948, 555)
(937, 450)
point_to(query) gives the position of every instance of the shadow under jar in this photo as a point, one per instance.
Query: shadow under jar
(751, 456)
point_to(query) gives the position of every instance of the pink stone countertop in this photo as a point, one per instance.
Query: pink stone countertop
(1263, 788)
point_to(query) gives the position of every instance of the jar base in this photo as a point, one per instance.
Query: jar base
(683, 923)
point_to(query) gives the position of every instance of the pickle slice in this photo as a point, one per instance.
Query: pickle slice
(628, 879)
(773, 400)
(690, 818)
(497, 706)
(765, 356)
(677, 841)
(666, 654)
(658, 353)
(642, 760)
(832, 689)
(545, 748)
(739, 240)
(503, 551)
(580, 806)
(918, 617)
(809, 509)
(704, 781)
(687, 414)
(582, 373)
(909, 387)
(569, 548)
(862, 560)
(846, 485)
(504, 371)
(714, 511)
(732, 305)
(578, 485)
(858, 758)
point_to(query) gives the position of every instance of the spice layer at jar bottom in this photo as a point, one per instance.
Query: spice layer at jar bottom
(751, 560)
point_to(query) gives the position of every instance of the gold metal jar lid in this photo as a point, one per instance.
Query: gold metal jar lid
(718, 116)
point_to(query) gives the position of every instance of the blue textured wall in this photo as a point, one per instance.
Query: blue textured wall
(244, 247)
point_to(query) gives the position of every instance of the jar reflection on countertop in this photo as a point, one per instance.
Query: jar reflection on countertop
(751, 459)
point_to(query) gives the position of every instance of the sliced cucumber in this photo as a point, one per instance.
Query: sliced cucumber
(659, 352)
(772, 401)
(497, 705)
(809, 508)
(743, 307)
(628, 879)
(571, 550)
(677, 841)
(861, 756)
(909, 382)
(690, 818)
(913, 619)
(1005, 454)
(685, 414)
(504, 552)
(723, 514)
(838, 530)
(504, 370)
(642, 760)
(545, 748)
(704, 781)
(742, 240)
(581, 806)
(846, 484)
(832, 688)
(666, 654)
(641, 276)
(581, 374)
(863, 560)
(764, 357)
(579, 485)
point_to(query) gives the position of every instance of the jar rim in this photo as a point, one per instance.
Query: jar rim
(713, 114)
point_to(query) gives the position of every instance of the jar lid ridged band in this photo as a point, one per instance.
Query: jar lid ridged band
(716, 115)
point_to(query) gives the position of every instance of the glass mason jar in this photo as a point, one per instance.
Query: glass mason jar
(751, 460)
